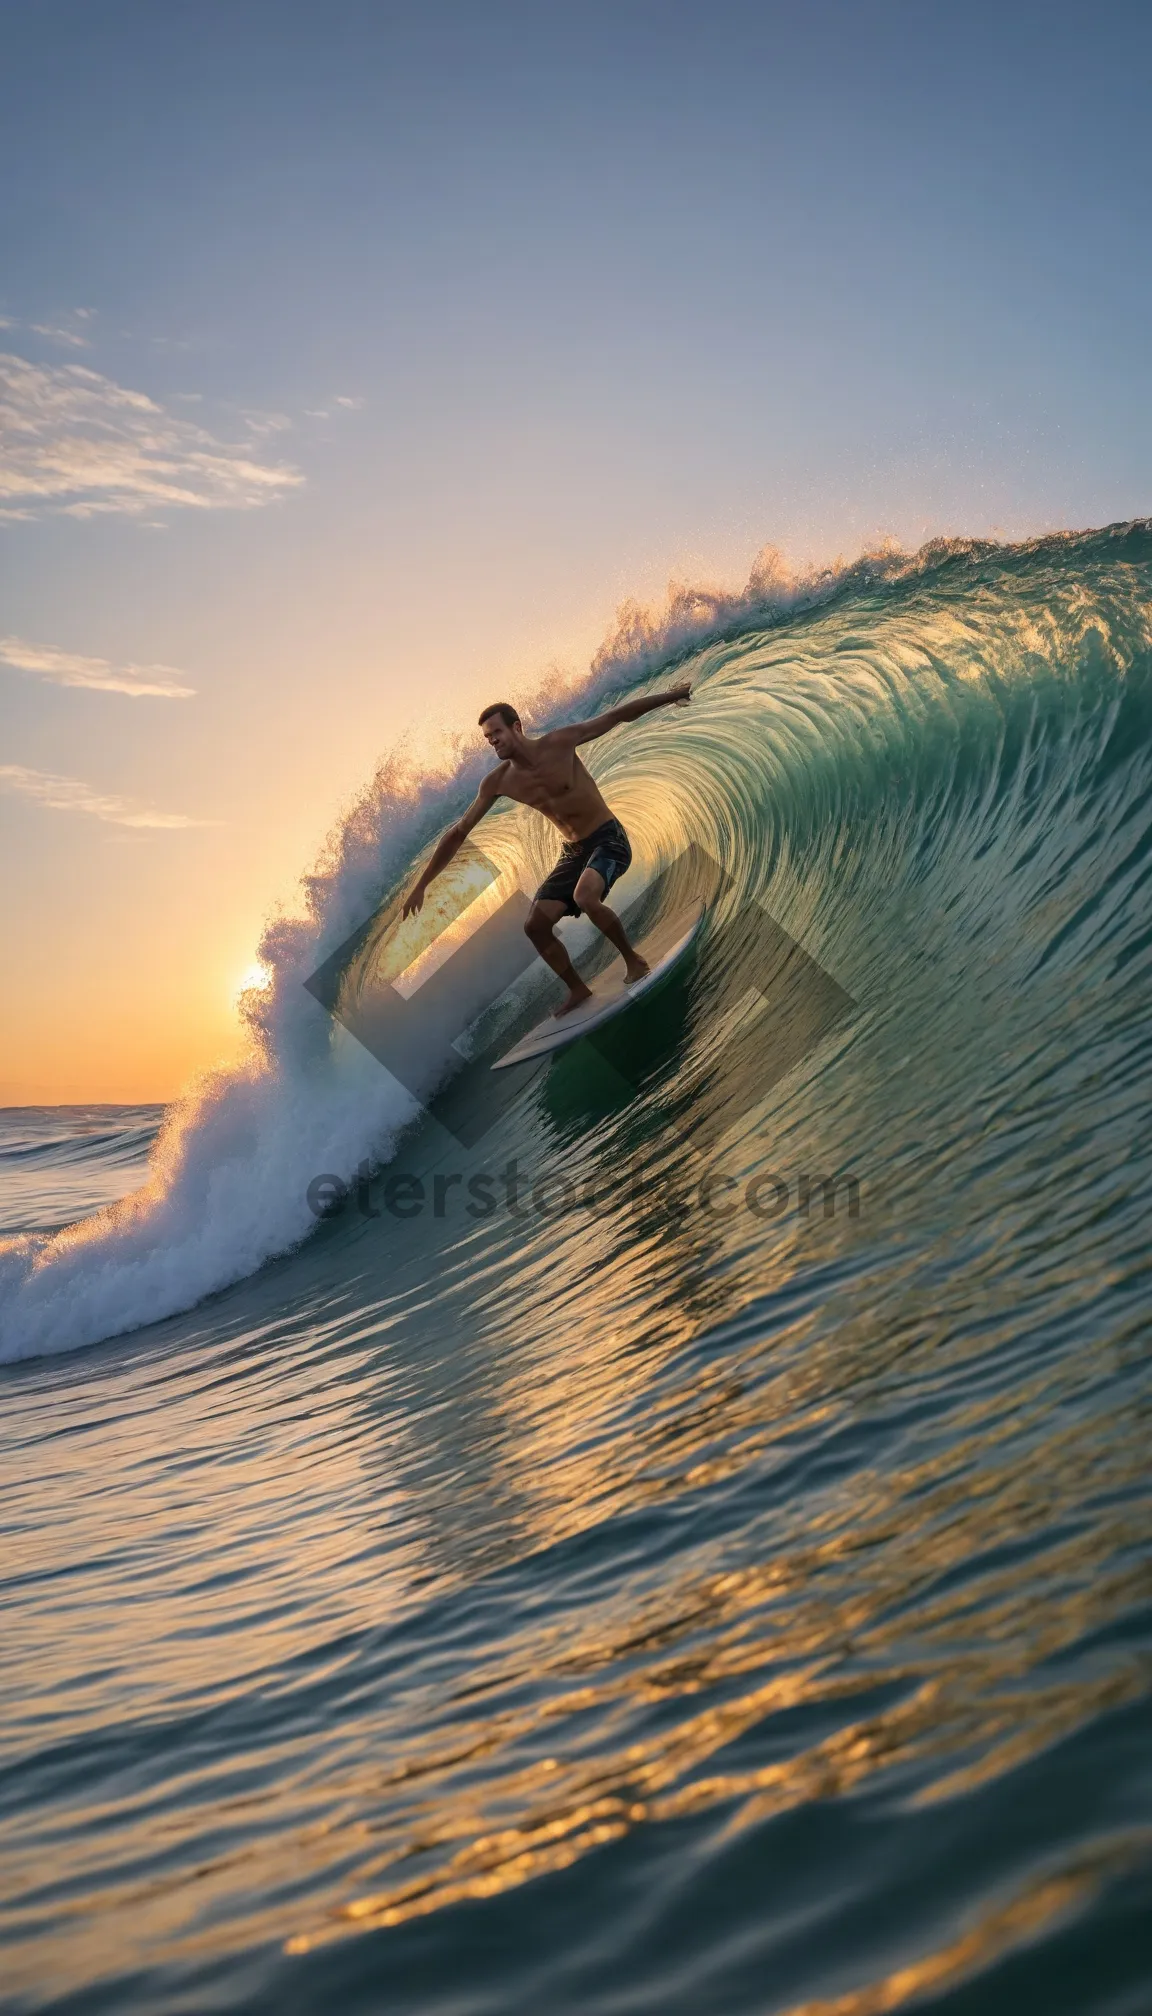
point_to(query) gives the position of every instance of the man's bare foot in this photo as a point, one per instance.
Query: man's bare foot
(634, 969)
(576, 998)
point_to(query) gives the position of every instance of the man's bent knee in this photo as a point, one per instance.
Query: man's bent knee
(590, 891)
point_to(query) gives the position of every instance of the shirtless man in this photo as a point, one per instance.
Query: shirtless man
(544, 771)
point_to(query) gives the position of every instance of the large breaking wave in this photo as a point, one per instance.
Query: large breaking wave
(967, 729)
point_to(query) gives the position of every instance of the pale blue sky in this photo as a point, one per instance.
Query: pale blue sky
(460, 324)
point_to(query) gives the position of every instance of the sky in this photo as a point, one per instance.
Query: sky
(360, 359)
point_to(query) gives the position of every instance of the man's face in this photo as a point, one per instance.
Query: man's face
(498, 735)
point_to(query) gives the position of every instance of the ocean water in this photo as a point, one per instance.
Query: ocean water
(673, 1537)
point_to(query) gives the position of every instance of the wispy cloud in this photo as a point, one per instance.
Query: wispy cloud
(266, 423)
(68, 794)
(344, 400)
(75, 442)
(70, 328)
(74, 337)
(68, 668)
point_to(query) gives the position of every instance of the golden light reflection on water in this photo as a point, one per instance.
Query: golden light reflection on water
(243, 1497)
(844, 1614)
(997, 1932)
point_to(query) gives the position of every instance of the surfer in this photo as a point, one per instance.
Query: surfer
(545, 772)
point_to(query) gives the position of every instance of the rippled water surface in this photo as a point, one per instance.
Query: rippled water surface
(721, 1584)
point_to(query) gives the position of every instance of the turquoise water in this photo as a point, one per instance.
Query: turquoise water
(721, 1584)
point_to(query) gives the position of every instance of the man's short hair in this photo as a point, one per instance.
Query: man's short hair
(508, 715)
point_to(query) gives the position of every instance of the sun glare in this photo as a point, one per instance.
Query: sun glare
(253, 977)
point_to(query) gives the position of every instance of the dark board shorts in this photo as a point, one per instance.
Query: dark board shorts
(607, 850)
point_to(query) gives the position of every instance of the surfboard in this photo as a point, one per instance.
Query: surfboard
(663, 948)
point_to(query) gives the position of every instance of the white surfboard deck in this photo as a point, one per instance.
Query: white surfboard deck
(610, 993)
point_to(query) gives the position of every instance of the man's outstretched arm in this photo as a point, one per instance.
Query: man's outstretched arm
(631, 710)
(450, 842)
